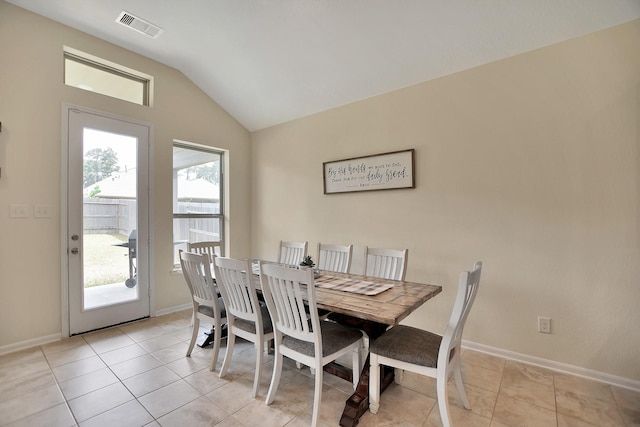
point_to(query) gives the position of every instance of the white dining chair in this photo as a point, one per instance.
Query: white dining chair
(423, 352)
(301, 336)
(386, 263)
(246, 317)
(207, 305)
(210, 248)
(292, 253)
(334, 257)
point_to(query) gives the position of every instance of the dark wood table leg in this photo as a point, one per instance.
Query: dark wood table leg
(358, 403)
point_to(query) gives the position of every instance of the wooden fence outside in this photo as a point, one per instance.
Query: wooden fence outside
(117, 216)
(109, 216)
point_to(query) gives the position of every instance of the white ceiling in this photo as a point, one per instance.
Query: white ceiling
(270, 61)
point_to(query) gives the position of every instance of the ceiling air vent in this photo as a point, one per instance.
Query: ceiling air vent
(138, 24)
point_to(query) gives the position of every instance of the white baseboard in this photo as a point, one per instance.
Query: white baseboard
(169, 310)
(555, 366)
(30, 343)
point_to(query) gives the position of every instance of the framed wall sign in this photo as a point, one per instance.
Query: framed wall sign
(385, 171)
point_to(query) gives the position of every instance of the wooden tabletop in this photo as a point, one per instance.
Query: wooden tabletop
(389, 307)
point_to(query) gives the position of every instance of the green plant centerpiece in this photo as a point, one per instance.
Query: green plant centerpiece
(307, 262)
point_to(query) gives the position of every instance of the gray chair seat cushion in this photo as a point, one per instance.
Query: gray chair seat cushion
(409, 345)
(334, 338)
(250, 327)
(207, 310)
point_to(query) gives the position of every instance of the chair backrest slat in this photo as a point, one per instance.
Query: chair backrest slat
(211, 248)
(334, 257)
(286, 291)
(197, 272)
(292, 253)
(238, 291)
(386, 263)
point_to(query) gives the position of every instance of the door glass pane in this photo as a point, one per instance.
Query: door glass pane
(109, 218)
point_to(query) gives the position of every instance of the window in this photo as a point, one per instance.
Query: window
(94, 74)
(197, 196)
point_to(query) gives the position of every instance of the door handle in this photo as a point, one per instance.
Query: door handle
(75, 237)
(75, 251)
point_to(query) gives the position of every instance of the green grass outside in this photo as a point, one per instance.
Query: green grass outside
(103, 262)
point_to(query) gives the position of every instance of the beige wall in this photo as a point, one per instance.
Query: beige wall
(31, 98)
(529, 164)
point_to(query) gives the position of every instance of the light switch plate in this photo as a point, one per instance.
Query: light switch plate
(19, 211)
(42, 211)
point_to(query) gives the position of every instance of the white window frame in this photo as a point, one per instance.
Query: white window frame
(220, 215)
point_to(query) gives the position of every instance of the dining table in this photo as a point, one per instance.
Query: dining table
(372, 305)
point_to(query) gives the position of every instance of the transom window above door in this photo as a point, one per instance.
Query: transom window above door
(88, 72)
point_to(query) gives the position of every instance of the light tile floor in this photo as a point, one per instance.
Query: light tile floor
(138, 375)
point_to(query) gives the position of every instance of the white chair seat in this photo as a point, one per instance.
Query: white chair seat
(249, 326)
(409, 345)
(207, 310)
(334, 338)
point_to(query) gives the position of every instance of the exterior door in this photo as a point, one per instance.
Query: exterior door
(107, 220)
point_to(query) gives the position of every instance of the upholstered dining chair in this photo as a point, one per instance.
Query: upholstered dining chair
(207, 305)
(246, 317)
(292, 253)
(301, 336)
(386, 263)
(426, 353)
(334, 257)
(210, 248)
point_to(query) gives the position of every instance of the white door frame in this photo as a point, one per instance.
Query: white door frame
(64, 227)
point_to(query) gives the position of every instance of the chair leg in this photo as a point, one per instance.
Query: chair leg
(461, 392)
(259, 356)
(356, 367)
(275, 379)
(443, 400)
(398, 376)
(374, 383)
(365, 349)
(194, 335)
(317, 398)
(217, 337)
(228, 355)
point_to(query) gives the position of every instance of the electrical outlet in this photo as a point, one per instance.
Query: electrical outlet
(544, 325)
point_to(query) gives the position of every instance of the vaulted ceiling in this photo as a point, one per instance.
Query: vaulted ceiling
(270, 61)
